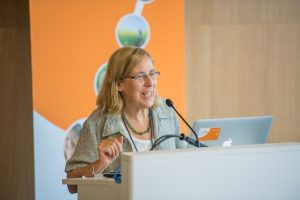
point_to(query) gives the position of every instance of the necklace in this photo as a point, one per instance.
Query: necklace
(135, 131)
(150, 124)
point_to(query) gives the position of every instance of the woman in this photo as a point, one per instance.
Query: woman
(129, 117)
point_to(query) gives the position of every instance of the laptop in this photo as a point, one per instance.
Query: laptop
(233, 131)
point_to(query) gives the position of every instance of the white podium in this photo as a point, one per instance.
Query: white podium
(269, 171)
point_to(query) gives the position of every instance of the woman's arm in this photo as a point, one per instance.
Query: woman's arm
(87, 171)
(108, 151)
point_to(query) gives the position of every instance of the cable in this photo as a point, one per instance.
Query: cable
(163, 138)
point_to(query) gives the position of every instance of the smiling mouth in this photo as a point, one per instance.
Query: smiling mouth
(148, 94)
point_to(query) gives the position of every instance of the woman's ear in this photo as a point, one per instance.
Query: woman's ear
(120, 87)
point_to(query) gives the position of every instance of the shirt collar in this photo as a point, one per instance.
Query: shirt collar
(112, 126)
(163, 112)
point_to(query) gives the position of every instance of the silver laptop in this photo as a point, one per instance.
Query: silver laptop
(233, 131)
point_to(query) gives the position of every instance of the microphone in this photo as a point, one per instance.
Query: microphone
(196, 143)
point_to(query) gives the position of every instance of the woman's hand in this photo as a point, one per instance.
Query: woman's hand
(108, 151)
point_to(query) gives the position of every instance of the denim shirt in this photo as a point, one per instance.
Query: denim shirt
(99, 127)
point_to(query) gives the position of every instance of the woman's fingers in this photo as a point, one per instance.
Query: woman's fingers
(111, 147)
(120, 143)
(107, 148)
(107, 151)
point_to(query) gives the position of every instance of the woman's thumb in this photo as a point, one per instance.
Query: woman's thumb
(120, 139)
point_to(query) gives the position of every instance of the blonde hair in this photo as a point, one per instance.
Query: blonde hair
(120, 65)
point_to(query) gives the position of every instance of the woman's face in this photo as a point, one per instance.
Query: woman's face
(139, 92)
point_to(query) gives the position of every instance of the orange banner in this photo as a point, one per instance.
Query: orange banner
(72, 41)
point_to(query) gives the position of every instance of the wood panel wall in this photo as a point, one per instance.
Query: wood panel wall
(16, 133)
(243, 59)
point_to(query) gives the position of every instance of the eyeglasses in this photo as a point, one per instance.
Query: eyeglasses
(143, 76)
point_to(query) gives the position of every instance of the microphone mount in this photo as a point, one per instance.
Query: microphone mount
(181, 137)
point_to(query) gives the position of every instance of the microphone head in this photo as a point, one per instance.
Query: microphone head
(169, 102)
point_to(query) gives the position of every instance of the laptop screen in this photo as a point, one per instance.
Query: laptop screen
(233, 131)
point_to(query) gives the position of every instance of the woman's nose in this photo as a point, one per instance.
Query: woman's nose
(149, 81)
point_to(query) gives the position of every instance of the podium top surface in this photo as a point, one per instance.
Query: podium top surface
(99, 180)
(208, 151)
